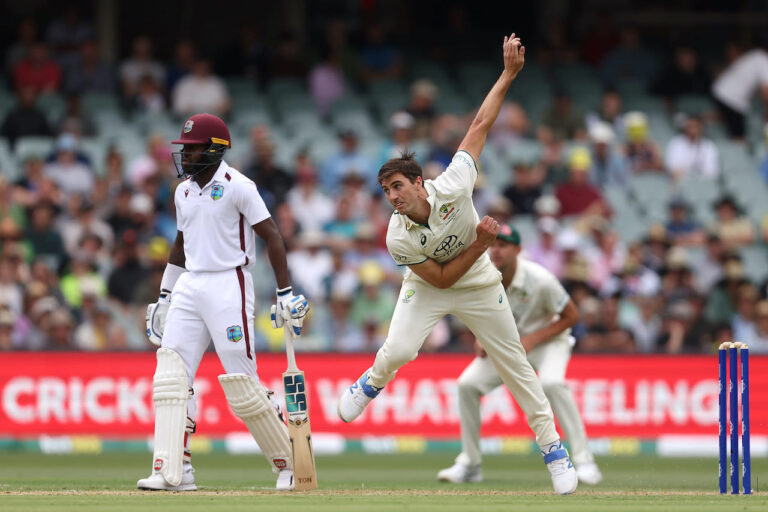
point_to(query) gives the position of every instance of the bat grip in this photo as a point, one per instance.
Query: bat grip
(289, 350)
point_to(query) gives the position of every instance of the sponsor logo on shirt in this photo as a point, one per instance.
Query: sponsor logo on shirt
(400, 258)
(423, 239)
(234, 333)
(448, 212)
(217, 191)
(448, 246)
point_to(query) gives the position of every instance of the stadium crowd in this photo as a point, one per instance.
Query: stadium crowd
(86, 234)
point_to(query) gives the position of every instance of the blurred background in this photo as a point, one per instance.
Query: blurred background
(630, 154)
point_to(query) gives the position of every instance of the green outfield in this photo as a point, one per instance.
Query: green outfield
(30, 482)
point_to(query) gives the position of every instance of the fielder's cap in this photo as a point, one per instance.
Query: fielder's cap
(204, 129)
(509, 234)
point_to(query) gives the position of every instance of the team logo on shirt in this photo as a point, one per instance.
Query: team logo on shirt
(216, 192)
(188, 125)
(407, 296)
(234, 333)
(186, 193)
(448, 212)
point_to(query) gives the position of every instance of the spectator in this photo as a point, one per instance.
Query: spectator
(743, 322)
(684, 329)
(33, 186)
(655, 247)
(70, 175)
(82, 219)
(447, 132)
(342, 335)
(646, 325)
(344, 224)
(310, 263)
(156, 161)
(684, 75)
(58, 330)
(642, 152)
(551, 154)
(99, 332)
(311, 207)
(734, 87)
(354, 190)
(200, 91)
(604, 333)
(348, 159)
(45, 240)
(326, 81)
(511, 126)
(608, 167)
(7, 330)
(140, 63)
(11, 291)
(373, 304)
(527, 186)
(732, 226)
(379, 59)
(273, 181)
(88, 72)
(629, 61)
(564, 118)
(601, 38)
(66, 33)
(184, 59)
(338, 40)
(27, 36)
(681, 229)
(365, 250)
(401, 125)
(74, 120)
(709, 269)
(80, 275)
(611, 113)
(577, 196)
(758, 342)
(606, 255)
(722, 299)
(544, 249)
(764, 163)
(25, 118)
(149, 97)
(421, 105)
(38, 70)
(692, 154)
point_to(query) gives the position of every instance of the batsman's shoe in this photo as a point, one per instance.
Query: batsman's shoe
(564, 478)
(589, 473)
(285, 480)
(461, 474)
(156, 482)
(353, 401)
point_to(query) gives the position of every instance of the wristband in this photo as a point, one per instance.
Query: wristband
(170, 276)
(284, 291)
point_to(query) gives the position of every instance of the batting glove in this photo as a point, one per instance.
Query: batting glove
(155, 318)
(291, 309)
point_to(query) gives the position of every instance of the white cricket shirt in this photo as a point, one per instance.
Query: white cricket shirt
(536, 298)
(737, 83)
(216, 220)
(451, 226)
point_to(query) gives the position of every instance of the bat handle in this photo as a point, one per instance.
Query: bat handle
(289, 350)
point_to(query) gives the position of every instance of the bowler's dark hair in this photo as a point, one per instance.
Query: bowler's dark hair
(405, 165)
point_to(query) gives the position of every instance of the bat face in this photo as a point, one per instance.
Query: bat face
(305, 475)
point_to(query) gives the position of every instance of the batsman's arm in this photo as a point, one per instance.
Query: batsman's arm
(267, 231)
(445, 275)
(514, 58)
(177, 257)
(568, 318)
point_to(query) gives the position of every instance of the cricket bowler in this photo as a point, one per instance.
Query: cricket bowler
(436, 232)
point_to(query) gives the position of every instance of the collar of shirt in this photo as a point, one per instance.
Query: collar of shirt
(518, 281)
(218, 177)
(430, 188)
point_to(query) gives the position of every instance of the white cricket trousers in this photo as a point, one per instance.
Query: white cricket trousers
(486, 312)
(550, 359)
(214, 306)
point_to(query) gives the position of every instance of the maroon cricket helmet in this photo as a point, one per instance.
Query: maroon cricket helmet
(204, 129)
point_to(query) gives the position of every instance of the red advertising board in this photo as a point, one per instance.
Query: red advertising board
(111, 395)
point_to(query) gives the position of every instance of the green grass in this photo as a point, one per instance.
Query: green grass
(401, 483)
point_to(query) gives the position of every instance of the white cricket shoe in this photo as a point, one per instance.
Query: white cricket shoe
(564, 478)
(589, 473)
(353, 401)
(156, 482)
(461, 474)
(285, 480)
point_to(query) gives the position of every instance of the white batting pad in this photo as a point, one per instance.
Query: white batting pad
(170, 393)
(250, 403)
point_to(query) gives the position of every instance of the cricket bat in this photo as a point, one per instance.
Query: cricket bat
(304, 473)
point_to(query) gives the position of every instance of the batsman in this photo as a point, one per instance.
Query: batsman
(206, 294)
(436, 233)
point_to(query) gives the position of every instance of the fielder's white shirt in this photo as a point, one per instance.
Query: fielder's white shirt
(451, 226)
(216, 220)
(737, 83)
(536, 298)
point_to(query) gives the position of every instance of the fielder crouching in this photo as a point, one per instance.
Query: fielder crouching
(207, 294)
